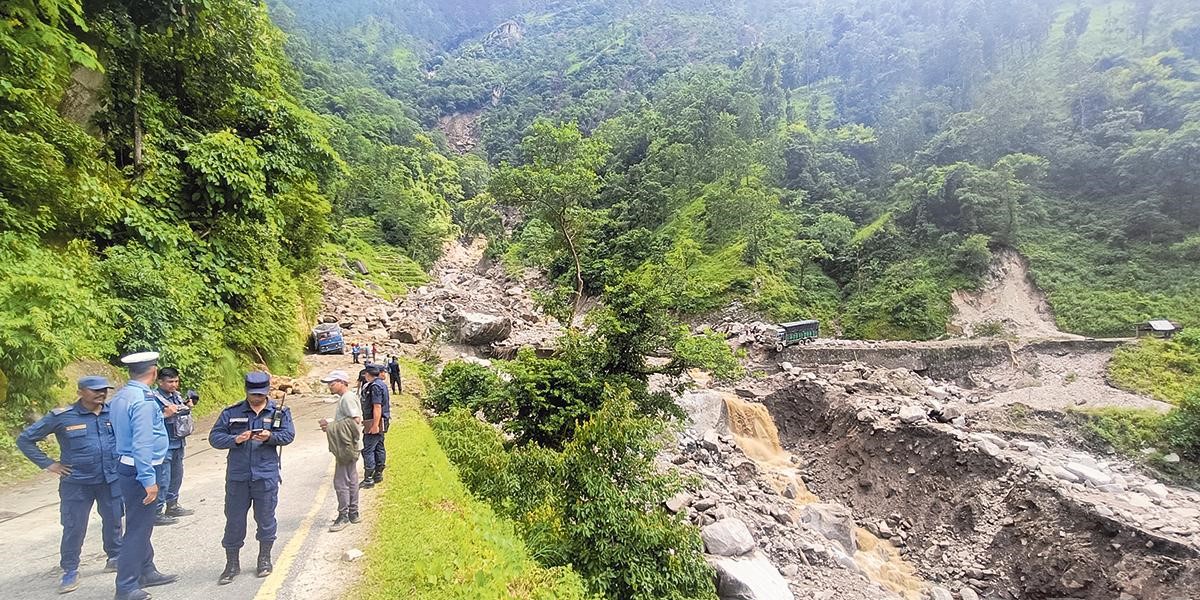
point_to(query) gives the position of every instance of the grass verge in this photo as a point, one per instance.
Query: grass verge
(1167, 370)
(434, 540)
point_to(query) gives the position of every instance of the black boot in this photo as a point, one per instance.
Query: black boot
(264, 558)
(343, 519)
(354, 518)
(368, 479)
(232, 566)
(379, 474)
(175, 510)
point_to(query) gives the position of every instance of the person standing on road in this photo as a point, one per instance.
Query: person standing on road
(393, 367)
(377, 412)
(253, 430)
(345, 442)
(177, 415)
(87, 472)
(354, 350)
(141, 437)
(373, 355)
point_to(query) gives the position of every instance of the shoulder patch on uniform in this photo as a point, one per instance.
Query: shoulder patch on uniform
(59, 411)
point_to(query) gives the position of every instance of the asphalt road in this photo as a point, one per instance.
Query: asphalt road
(307, 557)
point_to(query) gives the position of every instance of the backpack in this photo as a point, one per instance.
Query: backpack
(185, 424)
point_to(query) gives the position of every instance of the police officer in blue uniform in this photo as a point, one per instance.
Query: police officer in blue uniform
(87, 470)
(254, 431)
(141, 437)
(377, 413)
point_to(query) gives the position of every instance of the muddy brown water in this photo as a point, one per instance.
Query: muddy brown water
(757, 436)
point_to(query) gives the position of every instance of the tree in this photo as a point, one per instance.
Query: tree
(144, 18)
(555, 184)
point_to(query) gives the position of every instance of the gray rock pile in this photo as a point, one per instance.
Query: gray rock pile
(762, 544)
(468, 301)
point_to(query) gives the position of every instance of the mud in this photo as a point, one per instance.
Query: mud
(969, 518)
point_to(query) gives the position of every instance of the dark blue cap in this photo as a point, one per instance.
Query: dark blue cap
(258, 382)
(94, 382)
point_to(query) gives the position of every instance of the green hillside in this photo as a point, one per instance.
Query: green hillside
(853, 161)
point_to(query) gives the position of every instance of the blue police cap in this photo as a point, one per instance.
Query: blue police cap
(373, 369)
(94, 382)
(258, 382)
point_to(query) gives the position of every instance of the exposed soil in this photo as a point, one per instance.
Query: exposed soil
(1007, 298)
(462, 130)
(983, 511)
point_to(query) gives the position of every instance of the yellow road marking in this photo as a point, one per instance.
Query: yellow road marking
(274, 581)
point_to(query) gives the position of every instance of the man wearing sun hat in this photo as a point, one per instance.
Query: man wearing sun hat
(141, 437)
(344, 434)
(87, 471)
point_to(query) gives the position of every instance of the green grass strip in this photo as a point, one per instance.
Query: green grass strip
(434, 540)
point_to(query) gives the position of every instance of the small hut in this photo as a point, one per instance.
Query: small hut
(1159, 328)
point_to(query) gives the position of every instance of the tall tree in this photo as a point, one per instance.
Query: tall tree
(556, 184)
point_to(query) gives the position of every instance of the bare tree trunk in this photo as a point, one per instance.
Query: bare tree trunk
(137, 102)
(562, 225)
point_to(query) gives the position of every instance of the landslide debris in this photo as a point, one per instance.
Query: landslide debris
(470, 306)
(1003, 516)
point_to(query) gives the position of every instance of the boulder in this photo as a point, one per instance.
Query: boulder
(912, 414)
(939, 593)
(1091, 474)
(361, 268)
(833, 522)
(706, 411)
(1064, 474)
(749, 578)
(727, 537)
(678, 502)
(479, 329)
(408, 333)
(1155, 490)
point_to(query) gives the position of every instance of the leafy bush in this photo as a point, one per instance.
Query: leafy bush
(1183, 426)
(1128, 430)
(465, 385)
(596, 505)
(434, 541)
(973, 257)
(52, 311)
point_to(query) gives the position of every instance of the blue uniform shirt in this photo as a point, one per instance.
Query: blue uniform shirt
(86, 440)
(376, 392)
(141, 433)
(251, 460)
(175, 442)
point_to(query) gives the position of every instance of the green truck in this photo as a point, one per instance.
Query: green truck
(796, 332)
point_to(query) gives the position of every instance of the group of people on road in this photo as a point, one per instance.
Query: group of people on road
(125, 457)
(366, 351)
